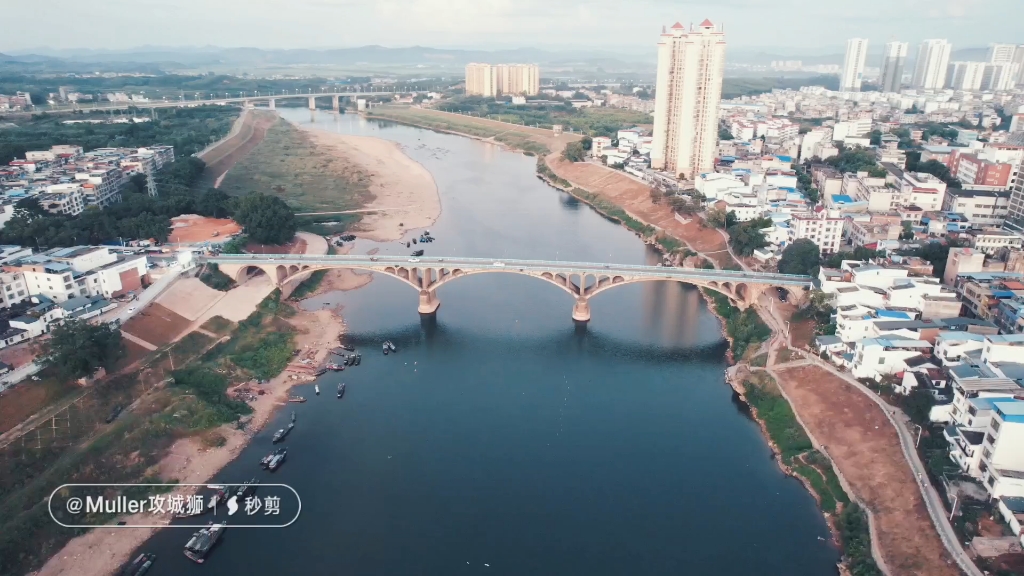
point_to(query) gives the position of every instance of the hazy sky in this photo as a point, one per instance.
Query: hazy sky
(821, 24)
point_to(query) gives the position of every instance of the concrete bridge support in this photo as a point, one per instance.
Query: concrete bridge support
(581, 310)
(273, 104)
(428, 302)
(312, 102)
(334, 103)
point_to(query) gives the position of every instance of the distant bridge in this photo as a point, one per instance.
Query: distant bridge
(581, 280)
(244, 98)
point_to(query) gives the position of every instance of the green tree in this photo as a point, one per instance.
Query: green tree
(812, 195)
(574, 152)
(587, 142)
(746, 237)
(908, 230)
(214, 203)
(266, 219)
(918, 405)
(77, 349)
(876, 137)
(724, 134)
(800, 257)
(716, 218)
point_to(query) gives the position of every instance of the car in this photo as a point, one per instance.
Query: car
(373, 258)
(607, 265)
(115, 413)
(131, 309)
(440, 259)
(414, 259)
(499, 264)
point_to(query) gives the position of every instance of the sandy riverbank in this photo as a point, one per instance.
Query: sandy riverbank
(405, 194)
(103, 551)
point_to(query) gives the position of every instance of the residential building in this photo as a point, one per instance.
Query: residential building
(826, 232)
(62, 274)
(1015, 213)
(13, 289)
(981, 207)
(893, 59)
(998, 77)
(853, 64)
(991, 240)
(877, 357)
(1001, 53)
(495, 80)
(691, 65)
(932, 62)
(481, 80)
(974, 171)
(64, 199)
(966, 76)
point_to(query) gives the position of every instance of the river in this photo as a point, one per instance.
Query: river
(501, 434)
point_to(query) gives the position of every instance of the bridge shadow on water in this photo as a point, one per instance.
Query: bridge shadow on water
(577, 340)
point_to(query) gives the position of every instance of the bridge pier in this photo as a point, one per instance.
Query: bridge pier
(273, 104)
(312, 102)
(581, 310)
(428, 302)
(334, 103)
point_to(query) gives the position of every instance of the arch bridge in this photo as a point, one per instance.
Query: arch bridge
(581, 280)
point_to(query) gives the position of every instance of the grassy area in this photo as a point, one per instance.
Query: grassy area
(762, 392)
(84, 448)
(527, 140)
(745, 327)
(308, 286)
(214, 278)
(218, 325)
(613, 212)
(856, 540)
(288, 164)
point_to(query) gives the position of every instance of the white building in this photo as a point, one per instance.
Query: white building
(826, 232)
(981, 207)
(932, 63)
(66, 273)
(966, 76)
(691, 65)
(877, 357)
(894, 58)
(853, 64)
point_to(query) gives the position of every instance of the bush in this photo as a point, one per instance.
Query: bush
(214, 278)
(78, 349)
(856, 540)
(778, 418)
(266, 219)
(267, 358)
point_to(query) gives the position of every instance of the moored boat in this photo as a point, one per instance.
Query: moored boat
(140, 565)
(341, 390)
(316, 387)
(277, 460)
(385, 348)
(199, 546)
(296, 399)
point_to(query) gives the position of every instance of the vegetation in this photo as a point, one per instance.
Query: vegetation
(933, 167)
(778, 417)
(918, 405)
(936, 252)
(800, 257)
(735, 87)
(265, 219)
(746, 237)
(574, 152)
(613, 212)
(308, 286)
(718, 218)
(77, 349)
(820, 310)
(724, 134)
(744, 327)
(210, 387)
(266, 358)
(189, 130)
(857, 160)
(214, 278)
(590, 121)
(855, 534)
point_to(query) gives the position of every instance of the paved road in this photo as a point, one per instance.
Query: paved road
(552, 266)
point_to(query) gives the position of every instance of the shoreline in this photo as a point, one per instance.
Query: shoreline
(405, 193)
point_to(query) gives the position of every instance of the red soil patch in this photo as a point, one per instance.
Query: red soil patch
(21, 354)
(865, 447)
(635, 198)
(156, 325)
(189, 229)
(133, 353)
(19, 403)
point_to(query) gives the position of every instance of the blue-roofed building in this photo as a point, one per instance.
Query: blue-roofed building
(1012, 510)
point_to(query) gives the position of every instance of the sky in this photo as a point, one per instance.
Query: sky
(806, 25)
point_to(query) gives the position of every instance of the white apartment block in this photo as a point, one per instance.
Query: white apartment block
(66, 273)
(498, 79)
(893, 60)
(982, 208)
(691, 65)
(826, 232)
(932, 63)
(853, 64)
(877, 357)
(966, 76)
(67, 199)
(13, 289)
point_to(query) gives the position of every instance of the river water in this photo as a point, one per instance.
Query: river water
(501, 434)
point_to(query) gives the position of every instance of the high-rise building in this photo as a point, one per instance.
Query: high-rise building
(1015, 214)
(493, 80)
(691, 64)
(966, 76)
(893, 59)
(932, 62)
(1002, 76)
(1001, 53)
(853, 65)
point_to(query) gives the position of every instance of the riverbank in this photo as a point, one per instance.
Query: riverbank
(404, 194)
(192, 460)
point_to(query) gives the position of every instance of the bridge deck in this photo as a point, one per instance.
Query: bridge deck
(478, 264)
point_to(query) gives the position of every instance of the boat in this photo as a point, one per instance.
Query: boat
(318, 372)
(283, 433)
(316, 387)
(265, 462)
(359, 358)
(341, 390)
(408, 244)
(334, 367)
(247, 488)
(386, 349)
(350, 360)
(140, 565)
(347, 347)
(296, 399)
(413, 240)
(277, 460)
(391, 346)
(199, 546)
(293, 416)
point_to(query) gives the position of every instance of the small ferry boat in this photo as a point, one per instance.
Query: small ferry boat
(283, 433)
(385, 348)
(347, 347)
(247, 488)
(350, 360)
(140, 565)
(276, 459)
(358, 359)
(316, 387)
(296, 399)
(293, 416)
(199, 546)
(341, 390)
(335, 367)
(391, 346)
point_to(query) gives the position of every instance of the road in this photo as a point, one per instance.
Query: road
(551, 266)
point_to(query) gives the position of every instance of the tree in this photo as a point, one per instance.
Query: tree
(918, 405)
(746, 237)
(716, 218)
(214, 203)
(587, 142)
(574, 152)
(724, 134)
(876, 137)
(800, 257)
(141, 182)
(812, 195)
(266, 219)
(77, 348)
(908, 230)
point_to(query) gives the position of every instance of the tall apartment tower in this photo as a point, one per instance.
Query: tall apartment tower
(966, 76)
(691, 64)
(932, 62)
(1001, 53)
(492, 80)
(893, 59)
(853, 65)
